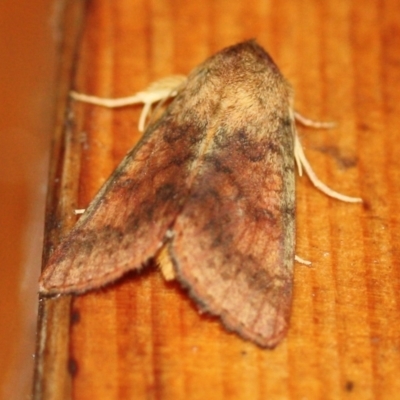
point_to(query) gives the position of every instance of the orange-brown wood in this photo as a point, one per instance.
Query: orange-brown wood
(142, 337)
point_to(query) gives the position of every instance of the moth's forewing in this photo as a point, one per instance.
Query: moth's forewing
(234, 239)
(127, 221)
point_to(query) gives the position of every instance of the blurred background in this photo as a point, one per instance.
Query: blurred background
(28, 48)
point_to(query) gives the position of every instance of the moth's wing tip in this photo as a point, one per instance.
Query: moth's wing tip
(45, 290)
(42, 289)
(270, 342)
(43, 281)
(264, 338)
(267, 339)
(48, 289)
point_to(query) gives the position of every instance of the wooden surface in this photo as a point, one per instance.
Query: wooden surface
(142, 337)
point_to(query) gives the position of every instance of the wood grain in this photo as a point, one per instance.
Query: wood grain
(142, 337)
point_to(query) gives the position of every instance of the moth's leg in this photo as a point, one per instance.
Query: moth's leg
(302, 162)
(165, 263)
(157, 91)
(313, 124)
(302, 261)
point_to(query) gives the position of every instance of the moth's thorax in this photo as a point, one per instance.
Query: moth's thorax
(241, 82)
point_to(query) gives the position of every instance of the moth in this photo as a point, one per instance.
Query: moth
(209, 191)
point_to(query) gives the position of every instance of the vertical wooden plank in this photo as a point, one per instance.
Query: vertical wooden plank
(142, 337)
(53, 367)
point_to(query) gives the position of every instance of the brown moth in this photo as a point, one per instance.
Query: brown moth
(210, 187)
